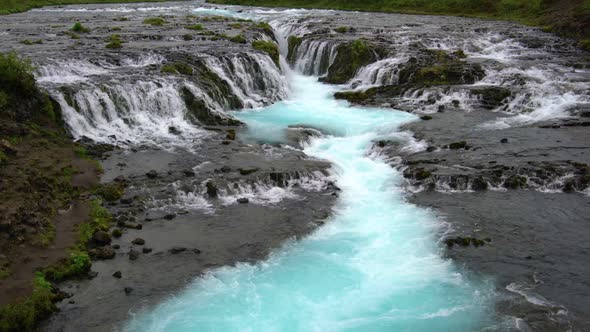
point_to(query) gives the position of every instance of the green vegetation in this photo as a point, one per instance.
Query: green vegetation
(196, 27)
(350, 57)
(72, 35)
(293, 45)
(115, 42)
(24, 315)
(565, 17)
(79, 28)
(110, 192)
(341, 29)
(99, 221)
(177, 68)
(269, 47)
(263, 26)
(155, 21)
(32, 42)
(240, 39)
(187, 37)
(16, 79)
(17, 6)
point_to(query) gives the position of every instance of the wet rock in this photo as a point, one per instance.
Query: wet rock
(170, 216)
(458, 145)
(120, 179)
(247, 171)
(117, 274)
(126, 201)
(350, 57)
(101, 238)
(504, 140)
(492, 97)
(128, 290)
(92, 274)
(515, 182)
(104, 252)
(426, 117)
(133, 254)
(133, 225)
(174, 131)
(211, 189)
(188, 173)
(7, 148)
(177, 250)
(146, 250)
(138, 241)
(479, 184)
(243, 200)
(152, 174)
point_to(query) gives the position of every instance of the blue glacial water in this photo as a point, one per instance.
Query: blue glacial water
(374, 266)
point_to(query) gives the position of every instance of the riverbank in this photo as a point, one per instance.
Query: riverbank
(568, 18)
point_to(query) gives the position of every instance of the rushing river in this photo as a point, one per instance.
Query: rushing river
(375, 265)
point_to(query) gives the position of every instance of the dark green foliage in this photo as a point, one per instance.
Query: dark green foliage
(341, 29)
(16, 79)
(265, 27)
(269, 47)
(458, 145)
(187, 37)
(155, 21)
(79, 28)
(357, 97)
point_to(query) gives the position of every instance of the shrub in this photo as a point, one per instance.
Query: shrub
(269, 47)
(79, 28)
(16, 78)
(155, 21)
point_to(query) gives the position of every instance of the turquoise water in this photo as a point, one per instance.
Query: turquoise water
(374, 266)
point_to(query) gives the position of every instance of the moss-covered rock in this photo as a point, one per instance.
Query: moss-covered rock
(350, 58)
(269, 48)
(492, 97)
(435, 67)
(293, 45)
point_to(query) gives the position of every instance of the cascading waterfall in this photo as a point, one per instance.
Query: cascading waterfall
(143, 109)
(375, 265)
(314, 57)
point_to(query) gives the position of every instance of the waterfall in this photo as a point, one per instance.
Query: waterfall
(314, 57)
(124, 102)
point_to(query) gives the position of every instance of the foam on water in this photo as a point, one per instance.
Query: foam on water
(375, 266)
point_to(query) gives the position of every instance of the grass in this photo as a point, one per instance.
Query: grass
(196, 27)
(79, 28)
(17, 6)
(565, 17)
(16, 79)
(155, 21)
(32, 42)
(115, 42)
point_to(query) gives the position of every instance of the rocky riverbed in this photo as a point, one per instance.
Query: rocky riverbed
(500, 153)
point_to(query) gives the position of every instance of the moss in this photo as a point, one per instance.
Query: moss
(187, 37)
(79, 28)
(240, 39)
(24, 315)
(515, 182)
(585, 44)
(357, 97)
(77, 265)
(460, 54)
(422, 174)
(154, 21)
(32, 42)
(293, 44)
(350, 57)
(177, 68)
(99, 221)
(341, 29)
(196, 27)
(269, 48)
(115, 42)
(236, 25)
(264, 27)
(115, 29)
(110, 192)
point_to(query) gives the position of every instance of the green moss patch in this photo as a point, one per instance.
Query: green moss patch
(269, 48)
